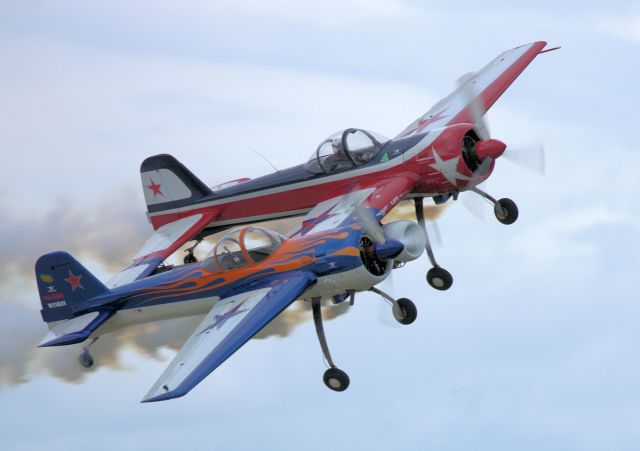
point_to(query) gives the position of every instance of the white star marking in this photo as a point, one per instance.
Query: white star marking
(448, 168)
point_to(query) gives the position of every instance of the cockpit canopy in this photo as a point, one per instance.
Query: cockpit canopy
(244, 246)
(344, 150)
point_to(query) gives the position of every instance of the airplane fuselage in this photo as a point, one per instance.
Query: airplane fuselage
(333, 257)
(432, 160)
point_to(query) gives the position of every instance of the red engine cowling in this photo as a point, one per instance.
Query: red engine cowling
(454, 161)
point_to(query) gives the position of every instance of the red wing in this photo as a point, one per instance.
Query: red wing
(488, 84)
(389, 191)
(382, 195)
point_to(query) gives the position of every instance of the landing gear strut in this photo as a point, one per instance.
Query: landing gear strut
(334, 378)
(438, 277)
(505, 209)
(404, 310)
(86, 359)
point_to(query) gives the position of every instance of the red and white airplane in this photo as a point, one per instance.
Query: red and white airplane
(442, 153)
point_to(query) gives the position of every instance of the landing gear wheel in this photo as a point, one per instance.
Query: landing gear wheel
(189, 258)
(405, 311)
(506, 211)
(86, 360)
(336, 379)
(439, 278)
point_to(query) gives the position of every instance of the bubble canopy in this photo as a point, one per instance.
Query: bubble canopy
(244, 246)
(344, 150)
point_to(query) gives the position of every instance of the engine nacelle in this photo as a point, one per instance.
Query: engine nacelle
(411, 235)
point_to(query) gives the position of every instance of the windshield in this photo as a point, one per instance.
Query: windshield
(241, 247)
(343, 150)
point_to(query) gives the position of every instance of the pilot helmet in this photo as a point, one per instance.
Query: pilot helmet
(338, 148)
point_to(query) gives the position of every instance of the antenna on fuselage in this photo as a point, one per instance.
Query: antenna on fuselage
(264, 158)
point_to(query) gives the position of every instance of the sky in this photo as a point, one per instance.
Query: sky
(534, 347)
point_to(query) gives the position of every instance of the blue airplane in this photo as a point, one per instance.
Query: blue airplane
(250, 276)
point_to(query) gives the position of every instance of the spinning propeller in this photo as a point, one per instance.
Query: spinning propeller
(487, 149)
(371, 225)
(530, 157)
(403, 309)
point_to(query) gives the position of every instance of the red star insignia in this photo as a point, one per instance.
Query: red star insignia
(155, 188)
(423, 122)
(74, 281)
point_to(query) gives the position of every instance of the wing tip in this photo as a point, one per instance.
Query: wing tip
(541, 44)
(538, 45)
(68, 339)
(163, 396)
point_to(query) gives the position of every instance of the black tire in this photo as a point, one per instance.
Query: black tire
(439, 278)
(405, 311)
(86, 360)
(506, 211)
(336, 379)
(189, 258)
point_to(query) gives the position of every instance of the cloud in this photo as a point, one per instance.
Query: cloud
(563, 236)
(20, 333)
(106, 118)
(321, 14)
(109, 232)
(626, 28)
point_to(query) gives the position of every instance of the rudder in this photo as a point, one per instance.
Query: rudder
(169, 184)
(65, 286)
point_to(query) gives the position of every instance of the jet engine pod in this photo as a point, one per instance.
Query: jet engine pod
(411, 235)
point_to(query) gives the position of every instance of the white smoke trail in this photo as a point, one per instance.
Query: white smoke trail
(110, 233)
(406, 210)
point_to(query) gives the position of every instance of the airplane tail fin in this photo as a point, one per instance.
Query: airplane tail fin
(168, 184)
(65, 286)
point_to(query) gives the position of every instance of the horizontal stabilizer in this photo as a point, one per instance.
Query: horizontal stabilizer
(76, 330)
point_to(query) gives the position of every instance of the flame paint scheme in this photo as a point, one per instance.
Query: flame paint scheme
(240, 291)
(338, 249)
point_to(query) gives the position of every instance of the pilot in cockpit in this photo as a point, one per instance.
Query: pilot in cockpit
(338, 149)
